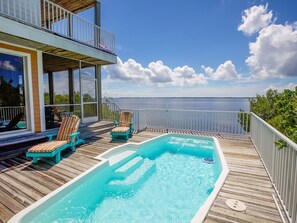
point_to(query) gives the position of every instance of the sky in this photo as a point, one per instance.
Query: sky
(205, 48)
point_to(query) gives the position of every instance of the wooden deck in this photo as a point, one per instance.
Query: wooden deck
(22, 183)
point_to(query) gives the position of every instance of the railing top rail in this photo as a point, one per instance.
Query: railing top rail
(12, 107)
(185, 110)
(279, 134)
(116, 105)
(51, 105)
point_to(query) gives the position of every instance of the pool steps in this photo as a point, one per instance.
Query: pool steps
(129, 167)
(136, 172)
(120, 156)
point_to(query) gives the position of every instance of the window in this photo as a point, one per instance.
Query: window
(61, 87)
(12, 93)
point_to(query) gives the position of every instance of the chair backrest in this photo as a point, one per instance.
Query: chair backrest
(68, 126)
(13, 123)
(125, 119)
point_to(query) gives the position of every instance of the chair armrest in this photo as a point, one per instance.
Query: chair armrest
(73, 135)
(131, 127)
(51, 136)
(116, 123)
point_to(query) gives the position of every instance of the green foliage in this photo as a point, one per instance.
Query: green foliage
(64, 99)
(10, 95)
(279, 110)
(107, 114)
(280, 144)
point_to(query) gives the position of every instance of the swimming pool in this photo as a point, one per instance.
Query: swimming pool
(166, 179)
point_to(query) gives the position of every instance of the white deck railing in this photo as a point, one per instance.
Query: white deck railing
(8, 113)
(26, 11)
(281, 164)
(52, 17)
(226, 122)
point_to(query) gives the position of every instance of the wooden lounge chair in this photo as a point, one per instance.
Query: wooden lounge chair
(67, 137)
(124, 128)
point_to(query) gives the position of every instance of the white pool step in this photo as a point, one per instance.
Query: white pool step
(129, 165)
(146, 167)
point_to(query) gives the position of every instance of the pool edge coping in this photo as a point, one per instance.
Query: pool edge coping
(198, 217)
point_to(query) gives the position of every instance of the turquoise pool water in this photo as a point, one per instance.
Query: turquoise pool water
(164, 181)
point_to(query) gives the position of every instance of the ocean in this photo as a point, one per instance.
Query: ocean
(185, 103)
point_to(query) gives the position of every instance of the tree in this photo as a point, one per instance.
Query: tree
(279, 110)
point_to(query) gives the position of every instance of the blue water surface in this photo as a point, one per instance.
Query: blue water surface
(186, 103)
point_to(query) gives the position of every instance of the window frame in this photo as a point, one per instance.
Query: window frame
(28, 92)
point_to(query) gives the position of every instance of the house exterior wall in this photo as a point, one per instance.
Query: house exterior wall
(34, 79)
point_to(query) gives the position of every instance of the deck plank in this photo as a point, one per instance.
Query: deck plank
(22, 183)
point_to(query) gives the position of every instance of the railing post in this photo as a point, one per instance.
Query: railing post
(273, 158)
(138, 121)
(97, 34)
(70, 25)
(167, 120)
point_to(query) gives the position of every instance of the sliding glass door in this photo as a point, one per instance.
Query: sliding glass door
(70, 87)
(89, 93)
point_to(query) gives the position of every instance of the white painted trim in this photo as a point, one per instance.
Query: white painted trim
(30, 92)
(28, 86)
(41, 93)
(54, 196)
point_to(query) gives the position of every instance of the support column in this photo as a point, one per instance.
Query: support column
(97, 21)
(99, 87)
(71, 89)
(41, 91)
(97, 12)
(51, 87)
(70, 21)
(97, 18)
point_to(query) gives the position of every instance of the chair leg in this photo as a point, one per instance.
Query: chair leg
(35, 159)
(58, 157)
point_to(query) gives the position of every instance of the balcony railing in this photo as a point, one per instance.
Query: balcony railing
(8, 113)
(223, 122)
(49, 16)
(281, 164)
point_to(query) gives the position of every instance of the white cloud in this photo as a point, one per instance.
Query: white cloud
(6, 65)
(280, 88)
(225, 71)
(156, 73)
(274, 53)
(128, 71)
(160, 73)
(254, 19)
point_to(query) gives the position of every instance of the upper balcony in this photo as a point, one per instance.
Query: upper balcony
(52, 27)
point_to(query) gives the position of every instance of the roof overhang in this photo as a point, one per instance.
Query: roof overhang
(75, 6)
